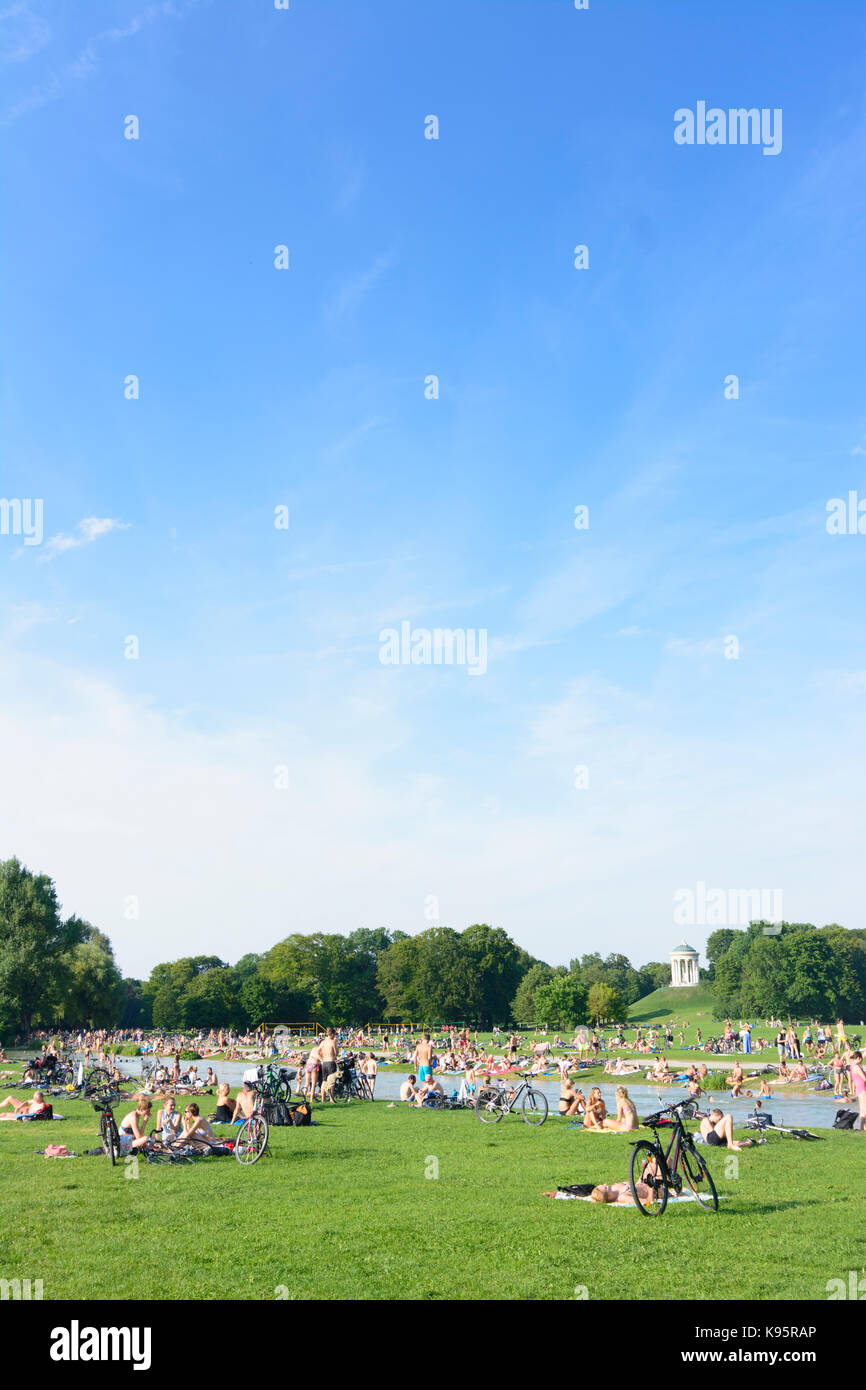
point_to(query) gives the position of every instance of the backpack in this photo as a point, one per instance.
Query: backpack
(845, 1119)
(278, 1113)
(301, 1114)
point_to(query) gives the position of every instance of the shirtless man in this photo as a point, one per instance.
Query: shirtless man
(718, 1129)
(24, 1107)
(423, 1059)
(428, 1087)
(408, 1089)
(327, 1058)
(245, 1103)
(370, 1068)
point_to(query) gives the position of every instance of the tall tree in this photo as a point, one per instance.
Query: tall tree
(34, 946)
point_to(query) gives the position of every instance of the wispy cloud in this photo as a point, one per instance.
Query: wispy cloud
(89, 529)
(22, 33)
(88, 58)
(351, 295)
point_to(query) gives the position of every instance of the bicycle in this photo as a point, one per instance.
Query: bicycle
(275, 1082)
(108, 1132)
(492, 1102)
(664, 1171)
(252, 1139)
(349, 1084)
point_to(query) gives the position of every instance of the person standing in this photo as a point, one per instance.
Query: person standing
(327, 1057)
(423, 1059)
(370, 1068)
(857, 1078)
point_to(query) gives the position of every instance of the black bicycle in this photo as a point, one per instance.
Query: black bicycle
(492, 1102)
(103, 1103)
(655, 1171)
(348, 1084)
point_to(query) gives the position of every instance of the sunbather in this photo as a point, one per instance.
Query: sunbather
(595, 1110)
(718, 1130)
(34, 1106)
(626, 1116)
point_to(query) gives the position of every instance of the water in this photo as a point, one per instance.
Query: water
(789, 1106)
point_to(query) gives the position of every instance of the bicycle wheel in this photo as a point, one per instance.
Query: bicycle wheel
(98, 1077)
(697, 1176)
(109, 1136)
(642, 1170)
(488, 1105)
(252, 1140)
(534, 1107)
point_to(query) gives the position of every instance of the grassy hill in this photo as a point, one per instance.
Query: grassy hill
(694, 1003)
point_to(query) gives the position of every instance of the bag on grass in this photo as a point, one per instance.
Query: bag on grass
(845, 1119)
(301, 1114)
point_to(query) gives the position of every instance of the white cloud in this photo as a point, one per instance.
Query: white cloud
(89, 529)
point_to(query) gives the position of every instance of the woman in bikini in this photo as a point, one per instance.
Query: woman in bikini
(626, 1116)
(595, 1110)
(571, 1100)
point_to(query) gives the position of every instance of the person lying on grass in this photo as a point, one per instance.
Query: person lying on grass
(626, 1116)
(35, 1106)
(619, 1193)
(572, 1101)
(133, 1127)
(718, 1130)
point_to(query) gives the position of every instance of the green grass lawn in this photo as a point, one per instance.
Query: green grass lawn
(346, 1209)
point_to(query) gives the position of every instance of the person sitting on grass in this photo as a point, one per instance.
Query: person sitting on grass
(225, 1105)
(429, 1087)
(133, 1127)
(34, 1106)
(195, 1126)
(572, 1101)
(408, 1088)
(717, 1130)
(595, 1110)
(168, 1120)
(798, 1072)
(245, 1104)
(626, 1116)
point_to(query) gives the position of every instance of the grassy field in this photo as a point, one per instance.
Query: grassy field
(350, 1209)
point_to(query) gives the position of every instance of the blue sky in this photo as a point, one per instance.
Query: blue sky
(154, 779)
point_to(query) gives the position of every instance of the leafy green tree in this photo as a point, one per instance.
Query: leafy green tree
(212, 999)
(655, 975)
(95, 992)
(495, 967)
(605, 1005)
(34, 947)
(719, 942)
(562, 1002)
(133, 1013)
(524, 1008)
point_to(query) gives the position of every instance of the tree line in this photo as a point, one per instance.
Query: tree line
(788, 968)
(62, 972)
(56, 972)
